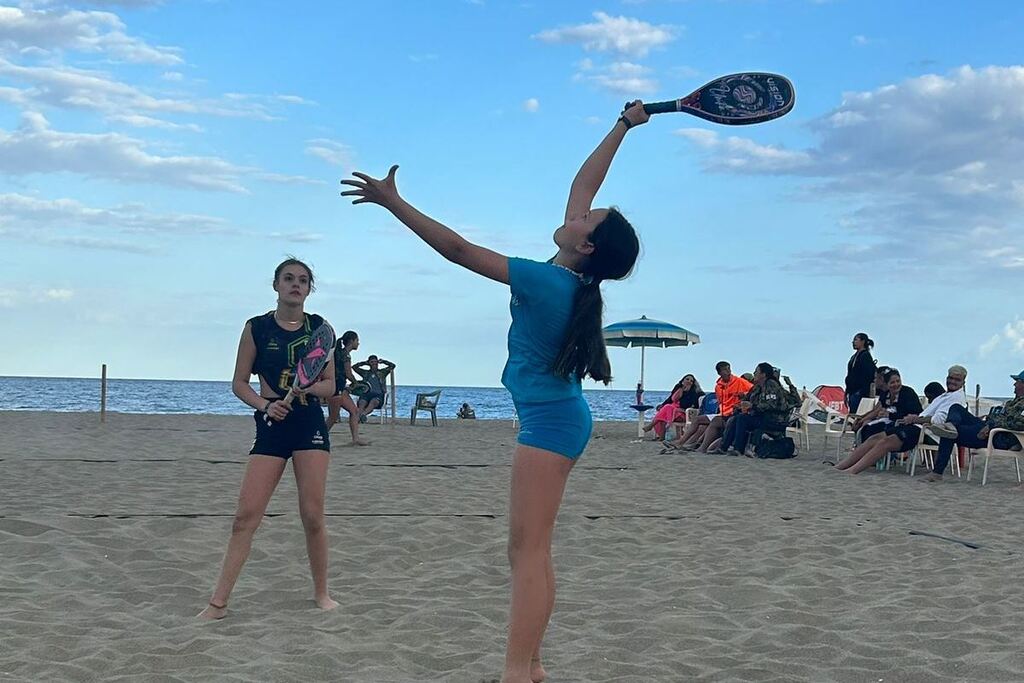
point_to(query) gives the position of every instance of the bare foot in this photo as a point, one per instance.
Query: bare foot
(325, 603)
(931, 477)
(537, 672)
(213, 612)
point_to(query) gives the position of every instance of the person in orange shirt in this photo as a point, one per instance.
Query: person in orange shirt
(730, 389)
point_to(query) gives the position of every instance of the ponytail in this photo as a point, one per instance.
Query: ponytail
(583, 352)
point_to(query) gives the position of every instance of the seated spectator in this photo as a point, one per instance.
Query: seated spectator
(466, 412)
(963, 429)
(729, 390)
(765, 410)
(900, 402)
(932, 391)
(685, 394)
(375, 377)
(877, 419)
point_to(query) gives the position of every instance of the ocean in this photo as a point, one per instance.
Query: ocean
(68, 394)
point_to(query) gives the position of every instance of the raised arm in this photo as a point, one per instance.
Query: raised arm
(441, 238)
(591, 175)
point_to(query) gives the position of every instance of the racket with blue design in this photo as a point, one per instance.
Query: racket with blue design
(735, 100)
(314, 358)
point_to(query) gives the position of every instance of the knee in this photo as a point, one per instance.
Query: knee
(522, 543)
(246, 522)
(312, 520)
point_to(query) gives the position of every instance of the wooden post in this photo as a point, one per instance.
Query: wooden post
(394, 399)
(103, 393)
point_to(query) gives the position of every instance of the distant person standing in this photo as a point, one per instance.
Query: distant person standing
(343, 380)
(860, 371)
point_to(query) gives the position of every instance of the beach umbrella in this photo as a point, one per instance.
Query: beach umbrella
(646, 332)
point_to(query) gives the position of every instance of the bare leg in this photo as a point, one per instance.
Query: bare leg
(353, 419)
(311, 480)
(261, 477)
(696, 438)
(859, 452)
(713, 431)
(538, 481)
(368, 407)
(880, 450)
(333, 411)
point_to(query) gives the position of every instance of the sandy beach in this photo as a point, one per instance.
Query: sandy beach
(671, 567)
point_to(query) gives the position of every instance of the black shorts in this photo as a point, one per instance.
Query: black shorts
(369, 396)
(908, 435)
(303, 430)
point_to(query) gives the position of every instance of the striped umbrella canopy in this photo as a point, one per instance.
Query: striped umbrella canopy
(645, 332)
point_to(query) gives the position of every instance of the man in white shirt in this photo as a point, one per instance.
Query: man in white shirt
(936, 412)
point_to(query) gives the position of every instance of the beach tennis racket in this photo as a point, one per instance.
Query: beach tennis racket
(735, 100)
(308, 368)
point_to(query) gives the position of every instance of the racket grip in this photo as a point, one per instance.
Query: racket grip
(288, 401)
(661, 107)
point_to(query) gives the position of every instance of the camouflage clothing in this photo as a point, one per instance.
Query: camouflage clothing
(1010, 417)
(772, 402)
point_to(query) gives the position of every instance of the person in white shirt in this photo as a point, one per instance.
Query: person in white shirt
(937, 411)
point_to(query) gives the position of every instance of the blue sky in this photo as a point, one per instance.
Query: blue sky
(158, 159)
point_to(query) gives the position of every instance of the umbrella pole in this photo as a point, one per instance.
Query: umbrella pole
(640, 413)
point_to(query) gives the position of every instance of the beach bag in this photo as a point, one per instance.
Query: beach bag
(781, 448)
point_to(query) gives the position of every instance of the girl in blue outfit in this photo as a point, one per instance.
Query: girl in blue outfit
(554, 342)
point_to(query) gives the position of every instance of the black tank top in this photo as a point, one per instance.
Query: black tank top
(277, 349)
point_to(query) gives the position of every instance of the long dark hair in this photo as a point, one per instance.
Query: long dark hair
(583, 353)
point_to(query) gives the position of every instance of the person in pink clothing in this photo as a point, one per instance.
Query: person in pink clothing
(685, 394)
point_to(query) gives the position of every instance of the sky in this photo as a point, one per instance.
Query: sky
(158, 158)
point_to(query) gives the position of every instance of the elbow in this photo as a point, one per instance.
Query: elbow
(238, 388)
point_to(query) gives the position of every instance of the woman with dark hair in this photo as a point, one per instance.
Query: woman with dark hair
(899, 402)
(685, 394)
(344, 378)
(268, 348)
(554, 342)
(766, 409)
(860, 371)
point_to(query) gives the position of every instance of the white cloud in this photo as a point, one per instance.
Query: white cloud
(860, 40)
(331, 151)
(59, 294)
(174, 76)
(930, 165)
(622, 35)
(531, 105)
(1011, 336)
(36, 148)
(70, 88)
(76, 30)
(621, 78)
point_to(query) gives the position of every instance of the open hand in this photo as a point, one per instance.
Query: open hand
(382, 192)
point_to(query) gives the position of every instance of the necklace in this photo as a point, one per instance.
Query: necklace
(289, 322)
(579, 275)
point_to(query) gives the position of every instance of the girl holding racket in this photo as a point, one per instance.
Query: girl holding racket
(554, 342)
(296, 430)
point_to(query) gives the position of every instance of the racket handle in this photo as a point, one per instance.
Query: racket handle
(661, 107)
(288, 398)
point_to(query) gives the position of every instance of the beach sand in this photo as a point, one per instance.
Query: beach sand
(670, 568)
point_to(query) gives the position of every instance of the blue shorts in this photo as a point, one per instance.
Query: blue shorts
(561, 427)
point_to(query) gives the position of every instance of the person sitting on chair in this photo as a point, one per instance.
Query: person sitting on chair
(877, 419)
(766, 410)
(730, 390)
(375, 377)
(466, 412)
(898, 437)
(685, 394)
(963, 429)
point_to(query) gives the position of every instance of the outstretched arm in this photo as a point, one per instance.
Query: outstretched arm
(441, 238)
(591, 175)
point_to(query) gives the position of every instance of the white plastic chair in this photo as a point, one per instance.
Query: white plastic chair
(989, 451)
(928, 452)
(801, 430)
(835, 419)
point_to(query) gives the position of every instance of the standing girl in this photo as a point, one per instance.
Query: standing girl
(554, 342)
(860, 371)
(343, 379)
(270, 346)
